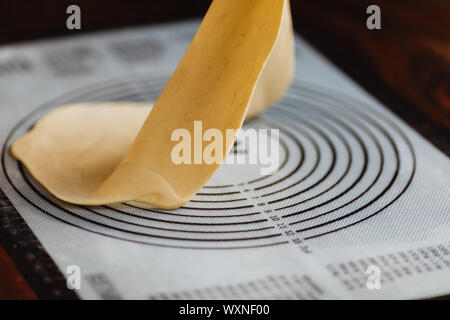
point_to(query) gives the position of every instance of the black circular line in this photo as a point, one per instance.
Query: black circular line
(299, 144)
(309, 173)
(121, 91)
(361, 208)
(303, 156)
(175, 222)
(345, 191)
(119, 95)
(252, 181)
(381, 154)
(219, 187)
(165, 229)
(84, 92)
(147, 210)
(373, 214)
(410, 180)
(342, 138)
(124, 86)
(194, 223)
(135, 232)
(358, 179)
(169, 229)
(44, 197)
(302, 150)
(109, 235)
(376, 124)
(282, 165)
(125, 239)
(356, 136)
(121, 238)
(327, 173)
(230, 208)
(93, 95)
(373, 200)
(106, 234)
(218, 201)
(218, 194)
(129, 97)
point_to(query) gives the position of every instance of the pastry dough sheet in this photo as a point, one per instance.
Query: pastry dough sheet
(239, 63)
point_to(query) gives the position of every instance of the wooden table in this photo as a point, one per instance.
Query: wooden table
(406, 64)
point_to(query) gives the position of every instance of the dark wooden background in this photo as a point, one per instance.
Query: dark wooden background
(406, 64)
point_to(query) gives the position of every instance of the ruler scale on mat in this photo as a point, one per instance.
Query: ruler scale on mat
(357, 190)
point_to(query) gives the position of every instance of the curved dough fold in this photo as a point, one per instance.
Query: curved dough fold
(240, 62)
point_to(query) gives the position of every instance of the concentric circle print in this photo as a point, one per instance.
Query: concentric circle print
(341, 163)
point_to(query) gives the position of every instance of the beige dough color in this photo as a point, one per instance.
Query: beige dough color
(240, 62)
